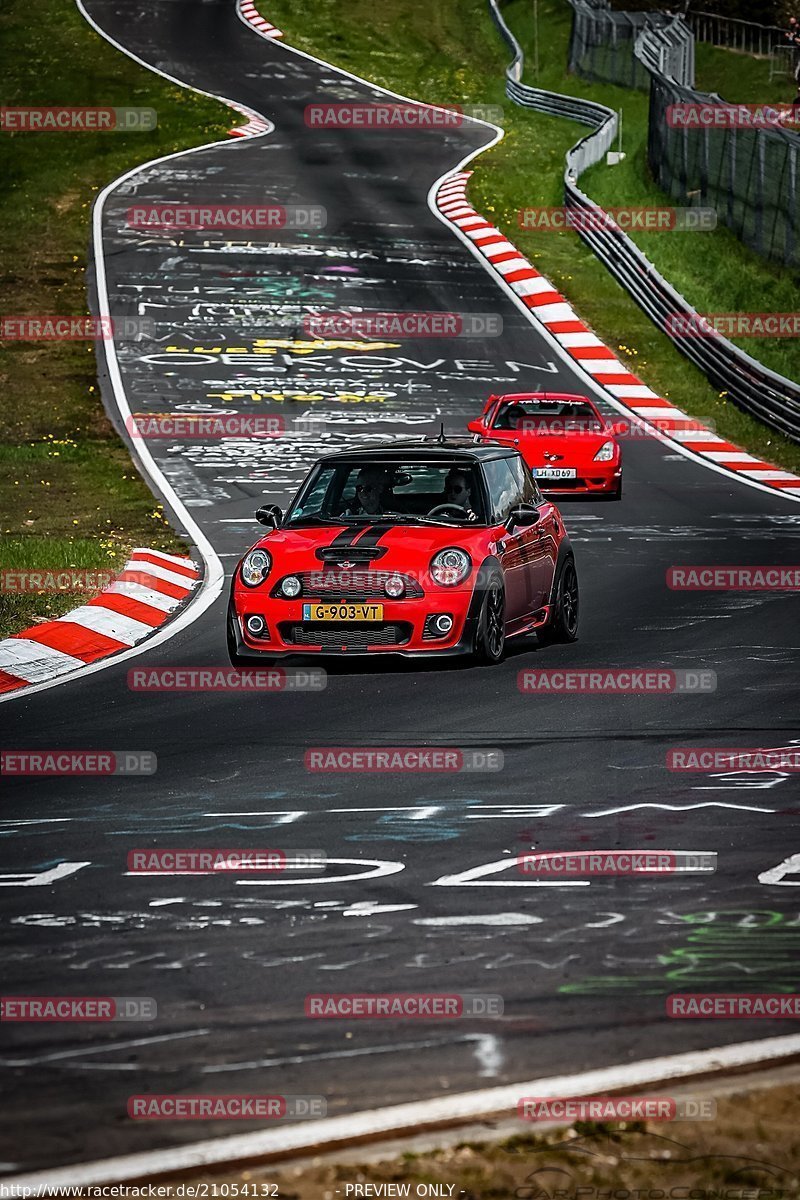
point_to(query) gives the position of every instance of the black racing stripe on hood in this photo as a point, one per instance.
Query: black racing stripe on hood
(372, 535)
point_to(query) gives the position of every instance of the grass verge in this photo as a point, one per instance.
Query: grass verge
(750, 1151)
(69, 494)
(451, 53)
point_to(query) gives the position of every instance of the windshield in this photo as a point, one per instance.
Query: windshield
(553, 417)
(410, 493)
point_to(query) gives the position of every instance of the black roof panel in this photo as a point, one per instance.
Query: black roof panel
(432, 450)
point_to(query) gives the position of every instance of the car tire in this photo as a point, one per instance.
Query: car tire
(490, 632)
(563, 623)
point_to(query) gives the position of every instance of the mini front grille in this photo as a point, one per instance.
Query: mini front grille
(345, 637)
(350, 585)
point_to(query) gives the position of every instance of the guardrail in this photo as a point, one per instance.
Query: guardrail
(750, 385)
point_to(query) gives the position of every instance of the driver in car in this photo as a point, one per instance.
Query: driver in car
(372, 491)
(458, 491)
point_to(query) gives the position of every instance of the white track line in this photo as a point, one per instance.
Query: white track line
(382, 1123)
(214, 575)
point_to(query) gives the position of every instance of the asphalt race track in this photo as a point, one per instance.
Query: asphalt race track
(583, 970)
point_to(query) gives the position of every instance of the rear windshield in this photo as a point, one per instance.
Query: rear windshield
(412, 492)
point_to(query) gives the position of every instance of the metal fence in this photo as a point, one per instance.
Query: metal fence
(667, 50)
(747, 383)
(733, 34)
(601, 46)
(748, 174)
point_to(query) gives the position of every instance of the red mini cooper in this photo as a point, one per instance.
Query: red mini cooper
(565, 440)
(433, 547)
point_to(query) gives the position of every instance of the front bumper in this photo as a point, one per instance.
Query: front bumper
(598, 483)
(400, 632)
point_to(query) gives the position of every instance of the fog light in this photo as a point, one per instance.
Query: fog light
(437, 625)
(291, 586)
(255, 625)
(394, 587)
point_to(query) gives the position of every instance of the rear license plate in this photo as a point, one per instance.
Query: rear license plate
(554, 472)
(343, 612)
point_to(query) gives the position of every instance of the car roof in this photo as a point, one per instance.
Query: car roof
(426, 450)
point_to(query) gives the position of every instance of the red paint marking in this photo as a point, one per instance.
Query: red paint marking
(591, 351)
(152, 581)
(128, 607)
(505, 256)
(76, 640)
(146, 556)
(615, 380)
(10, 683)
(542, 298)
(571, 326)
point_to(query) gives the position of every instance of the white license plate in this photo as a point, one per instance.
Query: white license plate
(554, 472)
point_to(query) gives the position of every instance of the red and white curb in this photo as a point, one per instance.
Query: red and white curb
(253, 17)
(147, 591)
(551, 309)
(255, 124)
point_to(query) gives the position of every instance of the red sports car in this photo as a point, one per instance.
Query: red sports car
(429, 547)
(565, 440)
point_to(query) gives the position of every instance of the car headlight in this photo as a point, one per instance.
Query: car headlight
(451, 567)
(291, 587)
(606, 452)
(394, 587)
(255, 567)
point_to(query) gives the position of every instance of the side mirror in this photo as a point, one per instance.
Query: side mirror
(475, 426)
(523, 516)
(269, 515)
